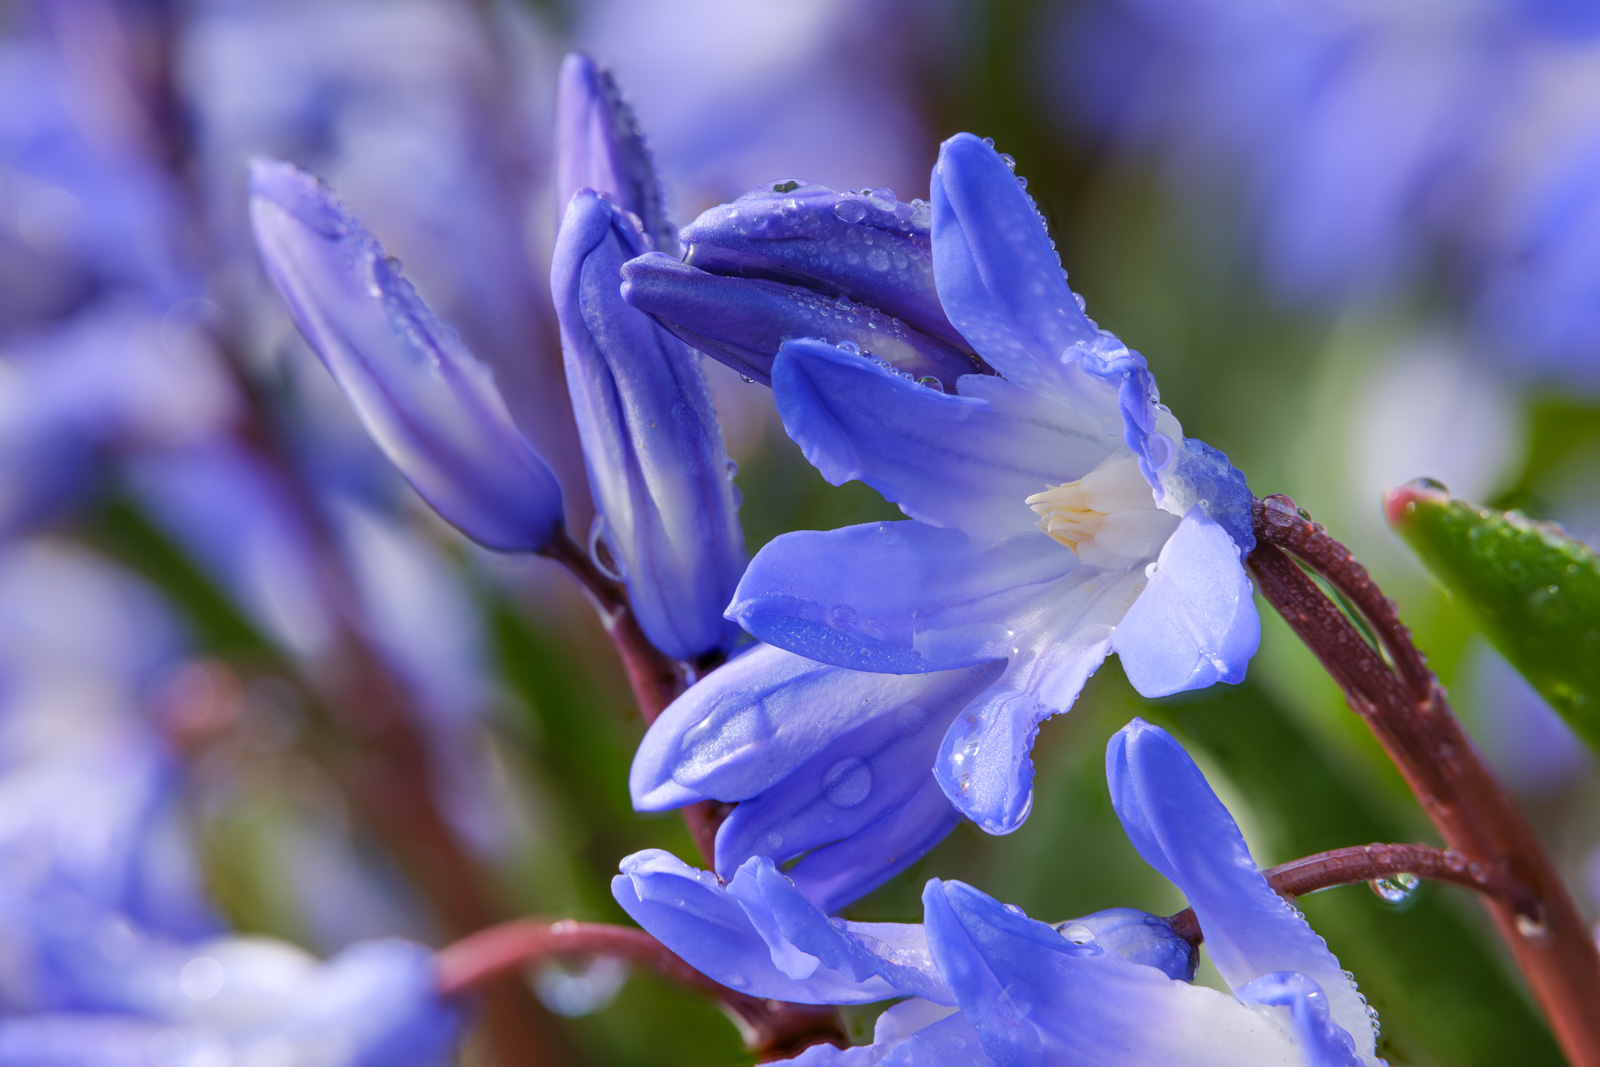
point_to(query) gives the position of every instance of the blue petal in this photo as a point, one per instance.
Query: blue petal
(1203, 478)
(743, 321)
(896, 597)
(867, 247)
(598, 146)
(968, 462)
(913, 1033)
(837, 874)
(1138, 937)
(984, 764)
(430, 405)
(830, 764)
(657, 466)
(897, 953)
(1195, 624)
(1182, 830)
(747, 726)
(691, 913)
(1036, 998)
(998, 276)
(1325, 1044)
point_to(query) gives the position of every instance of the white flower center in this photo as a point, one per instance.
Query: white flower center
(1108, 517)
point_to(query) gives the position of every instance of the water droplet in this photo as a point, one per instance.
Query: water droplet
(1076, 932)
(878, 259)
(931, 382)
(1396, 888)
(989, 141)
(1530, 927)
(1150, 569)
(1080, 301)
(851, 211)
(850, 347)
(1009, 160)
(882, 197)
(847, 782)
(1430, 483)
(577, 988)
(733, 725)
(601, 553)
(733, 470)
(746, 379)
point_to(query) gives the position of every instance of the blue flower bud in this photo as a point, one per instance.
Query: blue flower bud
(428, 402)
(661, 479)
(599, 146)
(867, 247)
(744, 321)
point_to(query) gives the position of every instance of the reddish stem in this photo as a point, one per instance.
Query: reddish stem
(1406, 709)
(1366, 863)
(771, 1027)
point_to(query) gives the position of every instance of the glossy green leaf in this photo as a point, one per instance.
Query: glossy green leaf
(1535, 590)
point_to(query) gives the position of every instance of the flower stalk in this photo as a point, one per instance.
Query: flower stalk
(1372, 863)
(1404, 705)
(772, 1028)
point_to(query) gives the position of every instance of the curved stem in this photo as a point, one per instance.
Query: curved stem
(656, 679)
(1367, 863)
(1405, 707)
(771, 1027)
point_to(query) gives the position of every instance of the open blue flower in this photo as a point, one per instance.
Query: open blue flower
(1057, 511)
(988, 985)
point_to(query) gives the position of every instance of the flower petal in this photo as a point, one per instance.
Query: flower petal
(429, 404)
(1195, 624)
(1036, 998)
(1182, 830)
(695, 916)
(896, 597)
(1324, 1043)
(999, 278)
(867, 247)
(746, 727)
(985, 765)
(743, 321)
(842, 862)
(598, 146)
(893, 952)
(968, 462)
(654, 452)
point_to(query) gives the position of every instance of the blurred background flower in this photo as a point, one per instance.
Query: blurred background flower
(251, 685)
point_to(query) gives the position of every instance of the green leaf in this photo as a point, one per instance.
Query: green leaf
(1535, 590)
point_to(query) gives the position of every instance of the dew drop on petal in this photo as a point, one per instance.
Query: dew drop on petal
(847, 782)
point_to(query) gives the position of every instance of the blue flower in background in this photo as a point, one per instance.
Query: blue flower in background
(667, 511)
(428, 402)
(987, 984)
(1057, 511)
(1369, 138)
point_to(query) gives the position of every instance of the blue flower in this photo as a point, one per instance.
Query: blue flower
(988, 985)
(1057, 512)
(430, 405)
(827, 766)
(1368, 139)
(668, 513)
